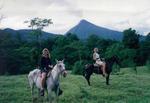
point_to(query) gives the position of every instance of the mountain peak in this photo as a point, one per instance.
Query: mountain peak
(85, 28)
(83, 21)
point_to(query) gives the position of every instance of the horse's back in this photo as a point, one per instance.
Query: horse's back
(34, 72)
(34, 77)
(89, 68)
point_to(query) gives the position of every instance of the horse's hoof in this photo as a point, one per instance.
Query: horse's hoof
(107, 84)
(89, 84)
(60, 92)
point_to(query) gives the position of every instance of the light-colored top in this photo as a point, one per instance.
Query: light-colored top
(96, 56)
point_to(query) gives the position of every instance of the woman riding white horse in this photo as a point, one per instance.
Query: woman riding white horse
(45, 67)
(52, 81)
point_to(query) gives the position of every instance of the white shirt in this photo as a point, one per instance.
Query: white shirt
(96, 56)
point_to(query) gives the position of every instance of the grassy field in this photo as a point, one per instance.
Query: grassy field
(127, 87)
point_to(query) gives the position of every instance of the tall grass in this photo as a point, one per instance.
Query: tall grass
(127, 87)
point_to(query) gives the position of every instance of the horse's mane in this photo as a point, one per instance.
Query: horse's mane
(55, 67)
(109, 59)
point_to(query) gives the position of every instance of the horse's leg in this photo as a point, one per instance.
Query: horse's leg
(88, 79)
(40, 98)
(57, 93)
(31, 83)
(107, 79)
(49, 95)
(32, 92)
(39, 92)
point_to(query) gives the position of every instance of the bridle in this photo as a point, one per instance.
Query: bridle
(61, 70)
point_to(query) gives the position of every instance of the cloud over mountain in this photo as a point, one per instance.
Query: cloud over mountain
(113, 14)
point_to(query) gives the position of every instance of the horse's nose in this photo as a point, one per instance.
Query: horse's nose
(65, 73)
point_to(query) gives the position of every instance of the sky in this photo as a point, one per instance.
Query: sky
(65, 14)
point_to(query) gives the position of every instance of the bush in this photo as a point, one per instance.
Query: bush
(78, 67)
(148, 64)
(115, 69)
(26, 69)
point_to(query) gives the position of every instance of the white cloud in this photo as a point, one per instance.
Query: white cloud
(114, 14)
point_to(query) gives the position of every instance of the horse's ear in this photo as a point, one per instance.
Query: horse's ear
(63, 60)
(56, 60)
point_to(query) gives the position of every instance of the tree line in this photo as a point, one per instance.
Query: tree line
(18, 56)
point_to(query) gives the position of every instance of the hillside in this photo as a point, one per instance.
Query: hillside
(84, 29)
(127, 87)
(25, 34)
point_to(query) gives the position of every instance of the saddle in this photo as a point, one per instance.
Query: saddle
(96, 65)
(47, 74)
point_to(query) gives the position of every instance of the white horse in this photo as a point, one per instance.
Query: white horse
(52, 81)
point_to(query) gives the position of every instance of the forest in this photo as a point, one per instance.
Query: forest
(19, 56)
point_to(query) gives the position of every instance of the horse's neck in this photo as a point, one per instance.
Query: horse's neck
(55, 73)
(110, 62)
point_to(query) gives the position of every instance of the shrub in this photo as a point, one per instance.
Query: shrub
(115, 69)
(148, 64)
(78, 67)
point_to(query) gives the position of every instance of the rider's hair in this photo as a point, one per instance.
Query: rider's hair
(95, 49)
(44, 54)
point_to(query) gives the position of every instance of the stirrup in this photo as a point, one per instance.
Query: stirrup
(96, 65)
(42, 92)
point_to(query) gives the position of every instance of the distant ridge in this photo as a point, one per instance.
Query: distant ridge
(84, 29)
(25, 34)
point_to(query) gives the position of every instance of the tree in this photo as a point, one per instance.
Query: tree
(9, 60)
(144, 51)
(114, 50)
(148, 37)
(37, 25)
(92, 42)
(130, 38)
(126, 55)
(72, 37)
(5, 42)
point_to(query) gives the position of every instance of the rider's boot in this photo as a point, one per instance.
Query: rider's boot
(42, 92)
(60, 92)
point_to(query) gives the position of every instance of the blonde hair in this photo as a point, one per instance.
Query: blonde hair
(44, 54)
(95, 50)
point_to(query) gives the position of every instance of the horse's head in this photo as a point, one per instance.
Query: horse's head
(61, 66)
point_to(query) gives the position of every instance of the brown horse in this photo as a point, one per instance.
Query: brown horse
(90, 69)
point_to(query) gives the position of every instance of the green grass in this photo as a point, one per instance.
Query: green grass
(127, 87)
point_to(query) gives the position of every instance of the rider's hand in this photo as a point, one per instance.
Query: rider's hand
(51, 66)
(103, 59)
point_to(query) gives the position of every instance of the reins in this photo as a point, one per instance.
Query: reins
(56, 70)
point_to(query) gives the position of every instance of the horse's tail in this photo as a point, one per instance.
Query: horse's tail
(85, 70)
(31, 79)
(32, 75)
(83, 73)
